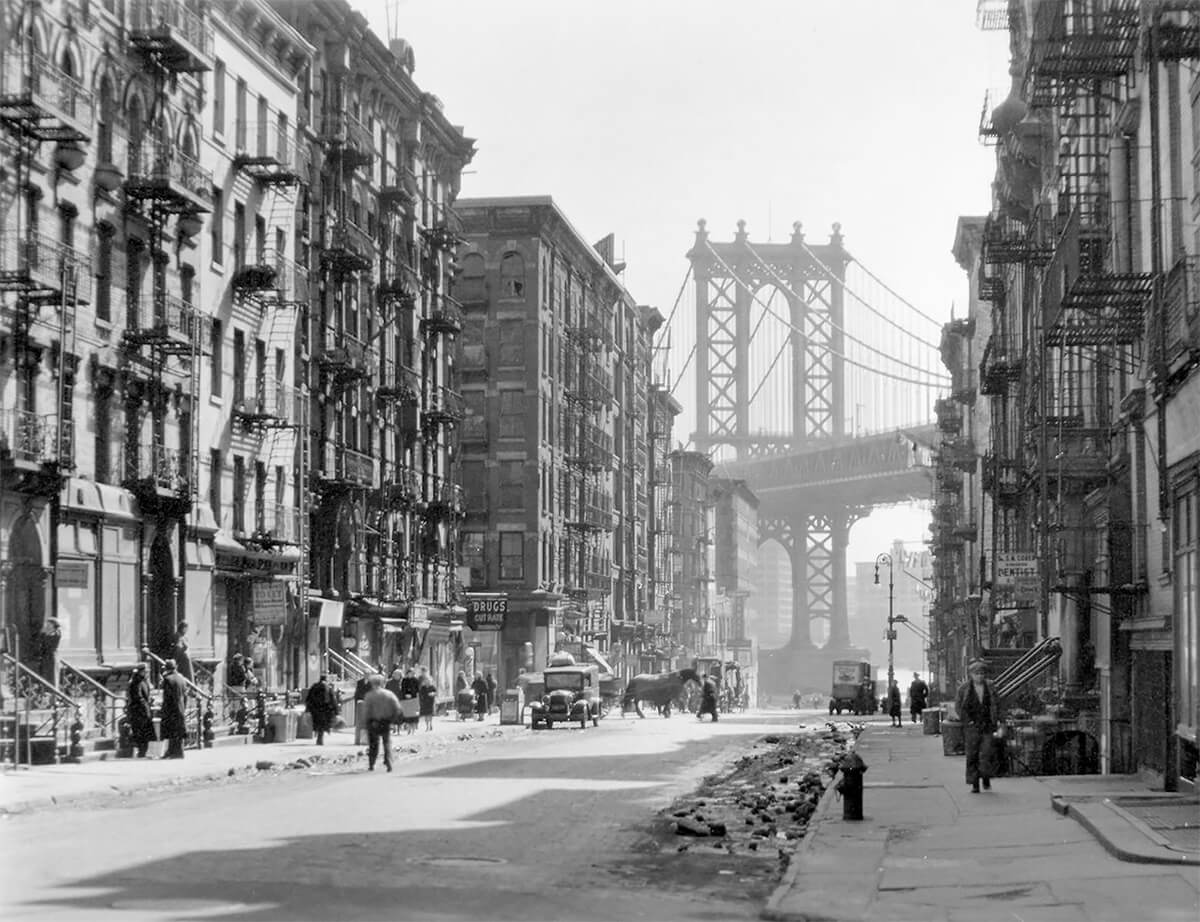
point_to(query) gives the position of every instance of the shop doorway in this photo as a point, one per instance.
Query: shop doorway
(160, 619)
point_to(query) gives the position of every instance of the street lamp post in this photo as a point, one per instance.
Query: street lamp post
(891, 633)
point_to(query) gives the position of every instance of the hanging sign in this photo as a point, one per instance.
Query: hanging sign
(1017, 571)
(486, 611)
(270, 602)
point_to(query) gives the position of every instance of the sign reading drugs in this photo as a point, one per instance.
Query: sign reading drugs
(486, 611)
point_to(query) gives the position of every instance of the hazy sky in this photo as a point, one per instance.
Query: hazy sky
(640, 116)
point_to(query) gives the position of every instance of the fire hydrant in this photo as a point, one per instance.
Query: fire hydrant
(851, 786)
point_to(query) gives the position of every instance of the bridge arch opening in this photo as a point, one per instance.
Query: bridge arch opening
(771, 605)
(770, 365)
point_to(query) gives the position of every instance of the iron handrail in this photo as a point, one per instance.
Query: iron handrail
(345, 665)
(191, 686)
(112, 708)
(58, 699)
(47, 686)
(79, 673)
(360, 662)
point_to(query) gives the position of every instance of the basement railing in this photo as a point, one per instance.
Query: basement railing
(32, 696)
(102, 711)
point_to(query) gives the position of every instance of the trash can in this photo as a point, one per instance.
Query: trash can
(281, 727)
(512, 706)
(932, 718)
(952, 738)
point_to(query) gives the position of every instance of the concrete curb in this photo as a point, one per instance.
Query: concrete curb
(772, 910)
(1124, 836)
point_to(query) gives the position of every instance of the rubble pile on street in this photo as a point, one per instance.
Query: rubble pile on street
(763, 802)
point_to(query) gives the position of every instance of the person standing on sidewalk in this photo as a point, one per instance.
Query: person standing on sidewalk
(410, 692)
(428, 696)
(321, 702)
(893, 701)
(479, 687)
(977, 709)
(381, 709)
(491, 687)
(139, 711)
(918, 697)
(173, 716)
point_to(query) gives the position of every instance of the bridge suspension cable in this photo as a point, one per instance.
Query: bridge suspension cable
(935, 379)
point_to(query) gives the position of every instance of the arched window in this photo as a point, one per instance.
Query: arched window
(512, 276)
(135, 137)
(104, 138)
(470, 280)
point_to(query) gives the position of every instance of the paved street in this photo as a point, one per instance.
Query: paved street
(552, 825)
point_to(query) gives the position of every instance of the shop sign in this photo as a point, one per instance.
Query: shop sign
(70, 574)
(486, 611)
(270, 602)
(1017, 572)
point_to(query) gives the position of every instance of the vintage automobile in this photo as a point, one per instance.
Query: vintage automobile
(570, 693)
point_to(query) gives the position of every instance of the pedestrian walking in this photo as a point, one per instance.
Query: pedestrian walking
(381, 709)
(491, 691)
(893, 704)
(173, 714)
(183, 659)
(139, 711)
(394, 680)
(479, 687)
(428, 698)
(708, 699)
(321, 702)
(460, 682)
(410, 705)
(976, 705)
(918, 697)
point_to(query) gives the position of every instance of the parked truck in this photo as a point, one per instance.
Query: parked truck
(853, 688)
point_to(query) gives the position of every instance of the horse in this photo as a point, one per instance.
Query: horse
(660, 689)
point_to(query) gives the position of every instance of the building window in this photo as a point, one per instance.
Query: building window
(103, 438)
(104, 259)
(473, 557)
(512, 414)
(239, 494)
(512, 276)
(239, 104)
(512, 343)
(512, 484)
(239, 366)
(512, 555)
(260, 497)
(217, 227)
(216, 347)
(218, 123)
(239, 236)
(470, 281)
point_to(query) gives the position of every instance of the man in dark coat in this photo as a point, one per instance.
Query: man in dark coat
(491, 686)
(976, 705)
(183, 659)
(918, 697)
(139, 711)
(479, 687)
(893, 705)
(235, 675)
(708, 699)
(321, 702)
(173, 714)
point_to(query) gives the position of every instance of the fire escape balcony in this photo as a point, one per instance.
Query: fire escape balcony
(591, 456)
(42, 269)
(44, 102)
(991, 15)
(443, 407)
(255, 277)
(399, 383)
(990, 287)
(347, 247)
(272, 407)
(445, 498)
(173, 181)
(1181, 309)
(172, 33)
(163, 321)
(949, 480)
(959, 452)
(1179, 40)
(1075, 452)
(344, 134)
(441, 236)
(31, 460)
(1008, 241)
(160, 478)
(1000, 366)
(266, 153)
(291, 282)
(401, 488)
(1076, 44)
(445, 316)
(400, 191)
(1001, 479)
(593, 514)
(344, 359)
(345, 468)
(591, 332)
(949, 416)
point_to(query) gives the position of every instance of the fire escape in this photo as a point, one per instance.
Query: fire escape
(163, 334)
(278, 288)
(1092, 317)
(46, 278)
(588, 461)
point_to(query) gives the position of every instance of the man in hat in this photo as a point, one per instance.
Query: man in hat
(918, 697)
(977, 709)
(139, 711)
(173, 715)
(321, 702)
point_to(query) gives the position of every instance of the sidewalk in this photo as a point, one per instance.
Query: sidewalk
(38, 786)
(928, 850)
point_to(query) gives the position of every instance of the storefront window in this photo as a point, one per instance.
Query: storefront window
(1185, 532)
